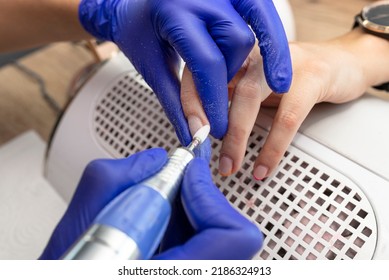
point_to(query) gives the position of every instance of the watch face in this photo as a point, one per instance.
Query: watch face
(378, 13)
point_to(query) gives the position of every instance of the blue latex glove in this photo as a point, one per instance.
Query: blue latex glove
(101, 182)
(212, 37)
(211, 215)
(212, 228)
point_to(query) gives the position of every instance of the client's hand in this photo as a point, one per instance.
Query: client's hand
(335, 71)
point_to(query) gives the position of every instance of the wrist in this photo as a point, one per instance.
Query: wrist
(58, 19)
(64, 16)
(372, 52)
(26, 23)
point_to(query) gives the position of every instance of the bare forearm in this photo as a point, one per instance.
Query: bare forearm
(30, 23)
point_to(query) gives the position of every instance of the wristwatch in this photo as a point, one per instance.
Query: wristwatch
(374, 19)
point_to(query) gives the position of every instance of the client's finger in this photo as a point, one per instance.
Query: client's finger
(191, 104)
(247, 96)
(293, 109)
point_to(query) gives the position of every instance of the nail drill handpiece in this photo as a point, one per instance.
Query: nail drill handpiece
(133, 224)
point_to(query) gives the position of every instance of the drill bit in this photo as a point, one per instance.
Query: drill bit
(199, 137)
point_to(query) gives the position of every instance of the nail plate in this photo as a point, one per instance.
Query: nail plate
(225, 166)
(260, 172)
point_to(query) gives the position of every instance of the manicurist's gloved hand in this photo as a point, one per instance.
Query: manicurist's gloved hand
(212, 37)
(204, 225)
(100, 183)
(220, 231)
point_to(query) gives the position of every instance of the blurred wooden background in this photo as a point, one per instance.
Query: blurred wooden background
(318, 20)
(22, 107)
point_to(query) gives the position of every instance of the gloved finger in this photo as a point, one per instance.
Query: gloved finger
(233, 37)
(204, 151)
(208, 67)
(104, 179)
(160, 71)
(248, 94)
(264, 20)
(293, 109)
(101, 181)
(179, 229)
(155, 60)
(221, 232)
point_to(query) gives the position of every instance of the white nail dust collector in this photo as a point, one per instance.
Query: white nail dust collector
(326, 200)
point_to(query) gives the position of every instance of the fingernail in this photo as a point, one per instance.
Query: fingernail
(260, 172)
(194, 123)
(225, 166)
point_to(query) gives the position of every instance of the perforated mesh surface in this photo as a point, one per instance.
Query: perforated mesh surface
(306, 210)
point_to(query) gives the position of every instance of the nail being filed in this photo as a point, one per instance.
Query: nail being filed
(199, 137)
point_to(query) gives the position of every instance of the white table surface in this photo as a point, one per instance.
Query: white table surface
(29, 207)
